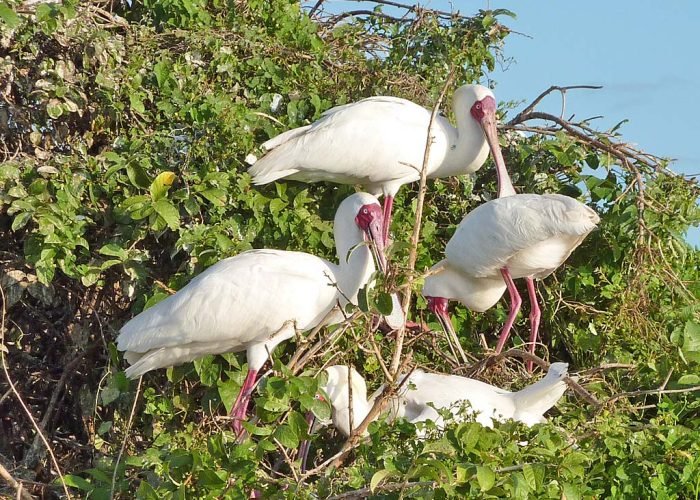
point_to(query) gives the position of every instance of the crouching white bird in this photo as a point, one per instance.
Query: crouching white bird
(516, 236)
(425, 392)
(379, 142)
(257, 299)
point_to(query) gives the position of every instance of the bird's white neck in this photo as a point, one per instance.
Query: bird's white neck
(355, 261)
(468, 148)
(478, 294)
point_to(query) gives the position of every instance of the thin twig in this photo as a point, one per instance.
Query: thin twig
(648, 392)
(413, 253)
(3, 348)
(34, 454)
(366, 492)
(17, 485)
(126, 437)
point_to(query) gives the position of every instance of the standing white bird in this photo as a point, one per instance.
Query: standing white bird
(423, 393)
(256, 300)
(379, 142)
(514, 236)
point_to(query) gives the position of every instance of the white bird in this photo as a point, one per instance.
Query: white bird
(423, 393)
(256, 300)
(379, 142)
(518, 236)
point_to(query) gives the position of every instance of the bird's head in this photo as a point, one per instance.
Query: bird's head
(482, 108)
(370, 219)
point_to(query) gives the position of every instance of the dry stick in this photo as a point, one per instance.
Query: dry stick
(299, 361)
(366, 492)
(34, 454)
(413, 254)
(647, 392)
(586, 139)
(21, 401)
(126, 436)
(553, 88)
(377, 408)
(14, 483)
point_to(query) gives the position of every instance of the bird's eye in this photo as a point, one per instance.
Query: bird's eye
(365, 211)
(478, 106)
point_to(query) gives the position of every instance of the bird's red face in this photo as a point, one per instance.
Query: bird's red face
(481, 109)
(437, 305)
(371, 220)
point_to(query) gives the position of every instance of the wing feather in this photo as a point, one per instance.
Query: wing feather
(235, 301)
(493, 234)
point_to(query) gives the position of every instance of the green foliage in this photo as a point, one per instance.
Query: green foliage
(124, 175)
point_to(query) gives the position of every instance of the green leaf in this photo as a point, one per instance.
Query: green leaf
(529, 474)
(691, 341)
(114, 250)
(137, 103)
(362, 299)
(137, 176)
(571, 491)
(228, 392)
(209, 371)
(216, 197)
(378, 477)
(54, 108)
(286, 436)
(78, 482)
(161, 184)
(689, 380)
(9, 16)
(486, 477)
(21, 220)
(384, 303)
(168, 212)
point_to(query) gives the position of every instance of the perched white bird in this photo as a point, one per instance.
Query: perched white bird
(423, 392)
(379, 142)
(256, 300)
(517, 236)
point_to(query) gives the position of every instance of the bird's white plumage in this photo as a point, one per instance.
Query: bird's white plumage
(423, 392)
(252, 301)
(378, 142)
(530, 234)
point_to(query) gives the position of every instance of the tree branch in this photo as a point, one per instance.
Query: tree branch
(17, 485)
(413, 253)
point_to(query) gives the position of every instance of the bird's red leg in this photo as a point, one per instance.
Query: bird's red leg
(240, 407)
(534, 317)
(515, 302)
(388, 204)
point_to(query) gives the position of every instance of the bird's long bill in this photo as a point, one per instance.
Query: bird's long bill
(488, 124)
(446, 323)
(306, 444)
(375, 233)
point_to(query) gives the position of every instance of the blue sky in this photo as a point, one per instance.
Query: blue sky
(643, 52)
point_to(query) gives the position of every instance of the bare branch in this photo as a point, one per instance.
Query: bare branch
(21, 493)
(413, 253)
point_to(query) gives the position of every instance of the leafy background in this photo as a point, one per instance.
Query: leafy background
(124, 132)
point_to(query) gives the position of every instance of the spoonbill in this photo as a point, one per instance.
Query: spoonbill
(517, 236)
(254, 301)
(379, 142)
(424, 393)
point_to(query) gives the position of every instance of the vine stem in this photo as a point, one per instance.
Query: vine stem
(415, 237)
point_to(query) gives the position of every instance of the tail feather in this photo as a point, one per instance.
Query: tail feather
(276, 164)
(534, 400)
(284, 137)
